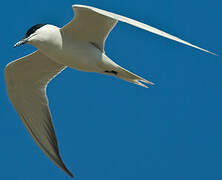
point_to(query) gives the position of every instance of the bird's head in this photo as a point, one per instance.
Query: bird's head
(33, 34)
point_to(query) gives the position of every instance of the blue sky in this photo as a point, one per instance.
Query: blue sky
(110, 129)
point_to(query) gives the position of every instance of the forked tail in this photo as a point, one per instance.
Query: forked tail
(131, 77)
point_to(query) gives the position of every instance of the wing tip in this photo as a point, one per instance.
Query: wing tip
(213, 53)
(64, 168)
(209, 52)
(69, 173)
(62, 165)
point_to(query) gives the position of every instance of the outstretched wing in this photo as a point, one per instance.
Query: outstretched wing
(90, 26)
(94, 25)
(26, 81)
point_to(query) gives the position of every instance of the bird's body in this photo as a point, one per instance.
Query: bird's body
(63, 50)
(79, 45)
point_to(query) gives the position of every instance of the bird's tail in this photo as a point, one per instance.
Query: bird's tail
(131, 77)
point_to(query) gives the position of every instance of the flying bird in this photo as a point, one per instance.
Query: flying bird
(79, 45)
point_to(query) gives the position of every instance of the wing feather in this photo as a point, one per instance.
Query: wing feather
(26, 81)
(90, 26)
(93, 24)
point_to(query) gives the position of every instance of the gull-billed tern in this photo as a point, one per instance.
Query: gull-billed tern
(79, 45)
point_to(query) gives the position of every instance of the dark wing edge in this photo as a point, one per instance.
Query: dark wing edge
(26, 82)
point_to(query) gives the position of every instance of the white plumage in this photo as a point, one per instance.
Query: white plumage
(80, 45)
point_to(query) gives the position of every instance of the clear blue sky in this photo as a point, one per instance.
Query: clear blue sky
(109, 129)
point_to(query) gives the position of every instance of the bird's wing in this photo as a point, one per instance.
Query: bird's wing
(94, 25)
(26, 81)
(90, 26)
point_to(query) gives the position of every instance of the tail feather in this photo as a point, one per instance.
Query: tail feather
(131, 77)
(139, 83)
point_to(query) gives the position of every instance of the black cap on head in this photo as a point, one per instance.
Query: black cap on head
(33, 29)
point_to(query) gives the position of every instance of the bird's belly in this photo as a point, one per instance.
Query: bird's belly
(84, 57)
